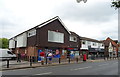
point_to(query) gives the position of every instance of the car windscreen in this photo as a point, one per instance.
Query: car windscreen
(9, 52)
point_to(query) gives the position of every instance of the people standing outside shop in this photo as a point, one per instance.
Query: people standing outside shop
(92, 56)
(68, 55)
(97, 55)
(77, 56)
(18, 57)
(81, 56)
(42, 55)
(84, 57)
(50, 55)
(72, 55)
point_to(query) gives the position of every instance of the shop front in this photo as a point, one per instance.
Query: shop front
(56, 52)
(84, 51)
(73, 53)
(101, 52)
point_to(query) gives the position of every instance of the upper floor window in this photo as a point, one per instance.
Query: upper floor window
(89, 43)
(31, 33)
(94, 44)
(83, 42)
(73, 38)
(55, 37)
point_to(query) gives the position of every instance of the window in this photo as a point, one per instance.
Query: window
(83, 42)
(89, 43)
(9, 52)
(31, 33)
(73, 38)
(55, 37)
(94, 44)
(21, 40)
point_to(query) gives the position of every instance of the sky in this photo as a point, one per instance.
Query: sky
(94, 19)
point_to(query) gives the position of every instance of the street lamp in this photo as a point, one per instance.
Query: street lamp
(78, 1)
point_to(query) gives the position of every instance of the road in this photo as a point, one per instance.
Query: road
(85, 68)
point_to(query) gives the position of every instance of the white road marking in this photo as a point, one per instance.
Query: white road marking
(103, 64)
(115, 63)
(44, 73)
(28, 69)
(81, 68)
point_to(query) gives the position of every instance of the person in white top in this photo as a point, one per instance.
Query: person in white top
(50, 55)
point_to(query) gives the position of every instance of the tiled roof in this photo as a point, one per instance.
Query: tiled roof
(44, 23)
(108, 40)
(73, 33)
(89, 39)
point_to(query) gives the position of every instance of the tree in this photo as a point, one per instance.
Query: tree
(116, 4)
(4, 43)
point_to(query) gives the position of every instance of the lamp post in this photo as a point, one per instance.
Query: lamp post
(78, 1)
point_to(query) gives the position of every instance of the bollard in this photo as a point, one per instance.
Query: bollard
(59, 60)
(30, 61)
(77, 60)
(7, 63)
(42, 62)
(46, 60)
(69, 60)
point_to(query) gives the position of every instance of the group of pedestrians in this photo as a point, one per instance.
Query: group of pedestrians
(48, 55)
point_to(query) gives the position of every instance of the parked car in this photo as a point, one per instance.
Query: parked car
(6, 54)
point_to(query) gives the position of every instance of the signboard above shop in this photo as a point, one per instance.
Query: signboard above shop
(72, 49)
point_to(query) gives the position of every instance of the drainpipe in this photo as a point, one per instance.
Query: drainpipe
(35, 42)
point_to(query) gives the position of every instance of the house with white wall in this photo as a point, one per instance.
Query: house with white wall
(111, 48)
(91, 46)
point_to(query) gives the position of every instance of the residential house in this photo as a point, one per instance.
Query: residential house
(91, 46)
(111, 48)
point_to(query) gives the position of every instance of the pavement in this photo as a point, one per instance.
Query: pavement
(13, 64)
(107, 67)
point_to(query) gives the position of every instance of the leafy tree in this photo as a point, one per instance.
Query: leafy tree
(4, 43)
(116, 4)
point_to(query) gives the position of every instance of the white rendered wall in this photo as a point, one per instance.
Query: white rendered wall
(22, 40)
(11, 43)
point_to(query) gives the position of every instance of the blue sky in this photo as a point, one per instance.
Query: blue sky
(94, 19)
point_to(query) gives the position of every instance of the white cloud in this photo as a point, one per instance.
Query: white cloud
(94, 19)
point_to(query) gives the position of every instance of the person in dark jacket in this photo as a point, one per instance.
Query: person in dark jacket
(18, 57)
